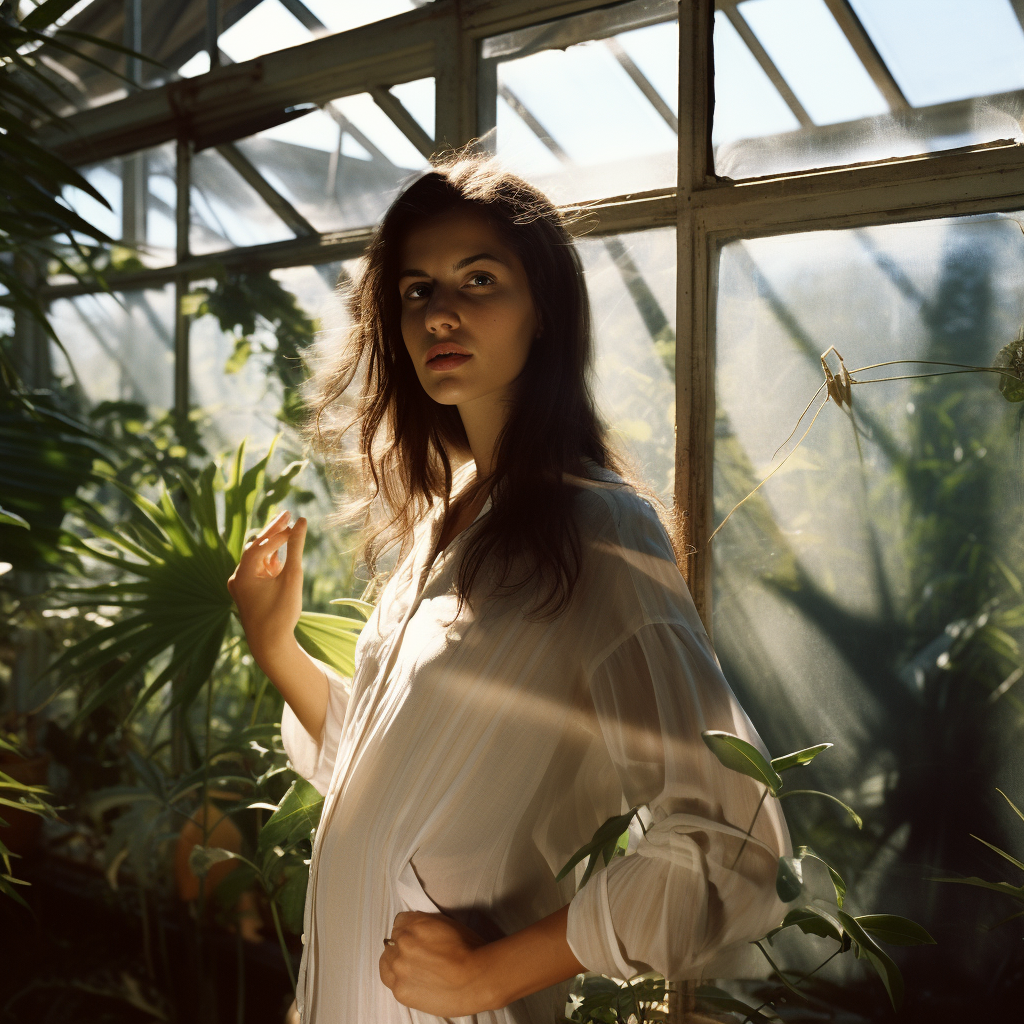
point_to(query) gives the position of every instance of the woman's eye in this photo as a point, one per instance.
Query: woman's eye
(418, 291)
(481, 279)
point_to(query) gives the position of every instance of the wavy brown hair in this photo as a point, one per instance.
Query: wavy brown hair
(407, 441)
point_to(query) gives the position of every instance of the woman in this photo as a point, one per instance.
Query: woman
(533, 667)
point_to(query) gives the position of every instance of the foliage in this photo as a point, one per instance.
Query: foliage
(900, 571)
(1013, 892)
(240, 301)
(32, 217)
(45, 458)
(29, 798)
(616, 1002)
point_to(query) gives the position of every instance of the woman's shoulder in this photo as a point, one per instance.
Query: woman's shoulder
(608, 504)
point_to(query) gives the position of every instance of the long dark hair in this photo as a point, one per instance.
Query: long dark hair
(406, 440)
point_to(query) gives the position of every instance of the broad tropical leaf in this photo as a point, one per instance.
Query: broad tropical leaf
(891, 928)
(741, 756)
(805, 756)
(878, 958)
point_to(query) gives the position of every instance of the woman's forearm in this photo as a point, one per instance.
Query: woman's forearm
(299, 679)
(530, 960)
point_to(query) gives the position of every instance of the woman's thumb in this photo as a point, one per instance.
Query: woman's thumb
(296, 542)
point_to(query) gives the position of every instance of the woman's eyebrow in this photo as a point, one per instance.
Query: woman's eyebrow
(474, 259)
(461, 265)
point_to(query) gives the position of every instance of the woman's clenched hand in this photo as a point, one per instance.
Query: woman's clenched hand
(434, 966)
(267, 591)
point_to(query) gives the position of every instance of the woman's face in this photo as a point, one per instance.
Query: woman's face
(468, 317)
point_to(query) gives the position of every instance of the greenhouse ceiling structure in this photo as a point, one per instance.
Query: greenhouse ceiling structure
(271, 134)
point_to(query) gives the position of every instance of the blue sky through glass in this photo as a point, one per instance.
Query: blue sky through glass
(943, 50)
(747, 105)
(815, 58)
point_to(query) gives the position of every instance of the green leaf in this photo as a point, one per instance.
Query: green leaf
(789, 879)
(881, 961)
(606, 834)
(12, 519)
(1013, 891)
(296, 816)
(837, 881)
(741, 756)
(811, 920)
(857, 819)
(202, 858)
(46, 14)
(239, 356)
(900, 931)
(1002, 853)
(291, 898)
(805, 756)
(1017, 810)
(331, 638)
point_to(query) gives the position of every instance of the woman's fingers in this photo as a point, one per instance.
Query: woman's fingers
(296, 542)
(276, 525)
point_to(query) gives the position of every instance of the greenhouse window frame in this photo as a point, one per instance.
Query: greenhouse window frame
(443, 40)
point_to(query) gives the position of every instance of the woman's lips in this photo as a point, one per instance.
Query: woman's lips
(447, 362)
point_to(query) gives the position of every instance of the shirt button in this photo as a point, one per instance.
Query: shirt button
(303, 938)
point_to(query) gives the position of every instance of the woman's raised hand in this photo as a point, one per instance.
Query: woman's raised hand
(267, 591)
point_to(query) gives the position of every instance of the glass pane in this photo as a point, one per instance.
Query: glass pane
(121, 346)
(797, 89)
(586, 106)
(815, 58)
(340, 166)
(632, 284)
(145, 222)
(267, 27)
(226, 210)
(944, 50)
(241, 392)
(848, 588)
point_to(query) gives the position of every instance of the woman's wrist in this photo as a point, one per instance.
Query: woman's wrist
(518, 965)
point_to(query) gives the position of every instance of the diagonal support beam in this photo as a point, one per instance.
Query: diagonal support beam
(643, 83)
(767, 65)
(277, 202)
(403, 120)
(862, 45)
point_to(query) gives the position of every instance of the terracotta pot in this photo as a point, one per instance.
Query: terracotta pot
(223, 832)
(23, 827)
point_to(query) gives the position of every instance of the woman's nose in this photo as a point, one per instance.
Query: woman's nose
(440, 315)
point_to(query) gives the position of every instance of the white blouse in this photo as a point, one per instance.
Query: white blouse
(463, 765)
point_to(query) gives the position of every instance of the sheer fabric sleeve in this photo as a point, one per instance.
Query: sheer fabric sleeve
(313, 758)
(682, 901)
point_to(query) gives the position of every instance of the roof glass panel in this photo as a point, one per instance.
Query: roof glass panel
(746, 103)
(847, 104)
(419, 99)
(269, 26)
(816, 59)
(340, 166)
(342, 15)
(584, 106)
(943, 50)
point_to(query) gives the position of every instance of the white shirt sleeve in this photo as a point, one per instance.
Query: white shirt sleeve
(680, 903)
(313, 757)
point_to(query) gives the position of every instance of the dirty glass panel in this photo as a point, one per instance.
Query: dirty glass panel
(246, 383)
(341, 165)
(226, 210)
(869, 593)
(586, 106)
(120, 346)
(631, 279)
(796, 87)
(272, 26)
(141, 192)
